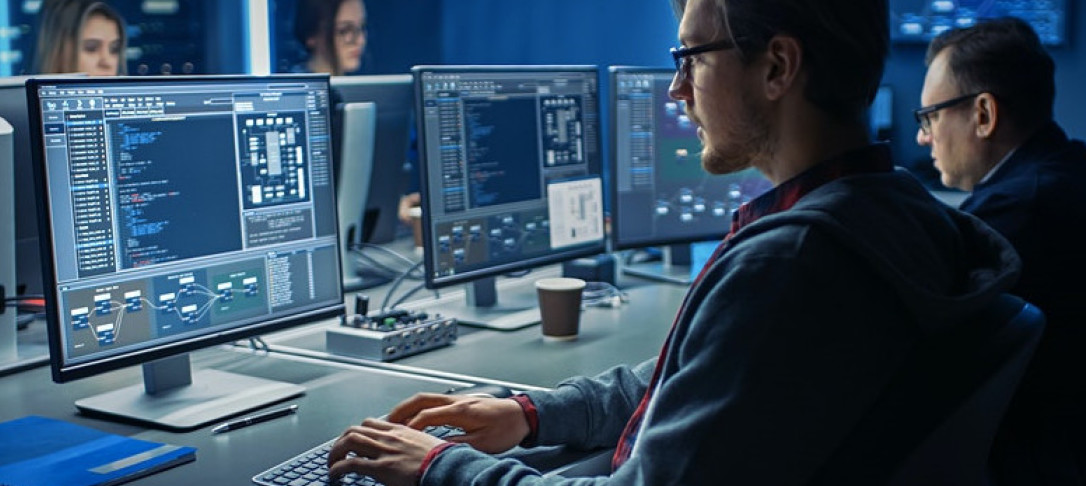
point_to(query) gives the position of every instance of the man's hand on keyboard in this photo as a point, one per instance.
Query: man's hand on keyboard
(491, 425)
(390, 453)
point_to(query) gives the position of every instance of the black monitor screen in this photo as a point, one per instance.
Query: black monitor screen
(510, 168)
(661, 193)
(181, 212)
(921, 20)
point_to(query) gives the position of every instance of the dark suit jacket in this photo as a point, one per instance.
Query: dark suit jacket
(1037, 200)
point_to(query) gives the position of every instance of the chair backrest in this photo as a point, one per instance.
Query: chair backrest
(935, 422)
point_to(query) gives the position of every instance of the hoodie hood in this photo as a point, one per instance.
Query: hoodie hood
(944, 264)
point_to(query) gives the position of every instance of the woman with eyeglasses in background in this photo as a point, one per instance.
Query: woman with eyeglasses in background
(333, 33)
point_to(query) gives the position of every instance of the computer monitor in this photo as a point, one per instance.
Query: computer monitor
(390, 178)
(662, 195)
(27, 248)
(352, 186)
(178, 213)
(511, 176)
(8, 352)
(918, 21)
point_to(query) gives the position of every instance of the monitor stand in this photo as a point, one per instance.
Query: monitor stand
(674, 267)
(173, 397)
(517, 309)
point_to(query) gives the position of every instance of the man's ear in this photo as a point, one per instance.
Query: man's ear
(783, 57)
(986, 115)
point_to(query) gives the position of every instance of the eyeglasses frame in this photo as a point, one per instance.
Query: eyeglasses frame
(923, 113)
(681, 55)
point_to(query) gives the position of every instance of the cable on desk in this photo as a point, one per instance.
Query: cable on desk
(256, 343)
(394, 254)
(396, 284)
(408, 294)
(390, 272)
(603, 294)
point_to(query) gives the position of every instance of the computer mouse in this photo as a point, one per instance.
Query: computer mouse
(496, 391)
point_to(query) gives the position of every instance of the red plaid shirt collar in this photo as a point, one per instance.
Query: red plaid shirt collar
(867, 160)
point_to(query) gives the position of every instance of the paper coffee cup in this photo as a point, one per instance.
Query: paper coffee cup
(560, 307)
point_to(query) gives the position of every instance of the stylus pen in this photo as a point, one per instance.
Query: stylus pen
(254, 419)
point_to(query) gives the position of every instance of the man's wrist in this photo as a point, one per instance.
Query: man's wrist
(531, 415)
(430, 456)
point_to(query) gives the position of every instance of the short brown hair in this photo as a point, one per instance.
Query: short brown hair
(845, 44)
(1003, 57)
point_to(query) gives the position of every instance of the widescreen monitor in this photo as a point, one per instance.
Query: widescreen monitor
(918, 21)
(391, 173)
(511, 174)
(661, 194)
(178, 213)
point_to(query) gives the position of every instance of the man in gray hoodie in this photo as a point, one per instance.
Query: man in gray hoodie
(825, 290)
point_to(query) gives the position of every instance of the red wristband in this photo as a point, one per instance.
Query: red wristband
(532, 416)
(430, 456)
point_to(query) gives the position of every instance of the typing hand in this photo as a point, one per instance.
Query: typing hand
(491, 425)
(390, 453)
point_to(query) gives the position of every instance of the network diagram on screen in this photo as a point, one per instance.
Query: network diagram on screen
(180, 209)
(921, 20)
(662, 192)
(517, 174)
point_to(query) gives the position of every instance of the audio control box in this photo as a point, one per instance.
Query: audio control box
(390, 336)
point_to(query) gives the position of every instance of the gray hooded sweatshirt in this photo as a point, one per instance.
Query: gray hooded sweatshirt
(787, 344)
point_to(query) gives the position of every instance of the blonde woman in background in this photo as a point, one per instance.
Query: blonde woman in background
(80, 36)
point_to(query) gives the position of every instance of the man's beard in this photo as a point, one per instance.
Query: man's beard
(747, 140)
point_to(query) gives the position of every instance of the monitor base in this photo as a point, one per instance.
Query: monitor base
(660, 272)
(356, 282)
(517, 307)
(212, 396)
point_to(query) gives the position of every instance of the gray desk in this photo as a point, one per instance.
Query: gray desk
(336, 397)
(609, 336)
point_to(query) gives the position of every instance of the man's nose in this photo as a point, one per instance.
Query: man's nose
(922, 138)
(678, 88)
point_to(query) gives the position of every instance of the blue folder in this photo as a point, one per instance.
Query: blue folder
(42, 451)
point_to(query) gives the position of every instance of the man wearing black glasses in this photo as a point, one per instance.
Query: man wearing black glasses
(787, 359)
(989, 92)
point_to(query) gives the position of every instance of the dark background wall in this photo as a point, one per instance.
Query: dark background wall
(639, 32)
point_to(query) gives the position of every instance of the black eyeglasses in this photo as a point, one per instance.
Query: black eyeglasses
(349, 33)
(923, 114)
(682, 55)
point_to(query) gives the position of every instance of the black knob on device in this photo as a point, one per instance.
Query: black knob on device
(361, 304)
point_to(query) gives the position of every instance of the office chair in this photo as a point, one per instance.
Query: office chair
(965, 380)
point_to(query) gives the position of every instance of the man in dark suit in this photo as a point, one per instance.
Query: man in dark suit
(987, 117)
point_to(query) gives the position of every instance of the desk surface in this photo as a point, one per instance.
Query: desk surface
(627, 334)
(336, 397)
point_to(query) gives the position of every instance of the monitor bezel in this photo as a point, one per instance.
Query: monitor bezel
(62, 369)
(552, 257)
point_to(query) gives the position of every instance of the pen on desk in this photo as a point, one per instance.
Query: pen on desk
(254, 419)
